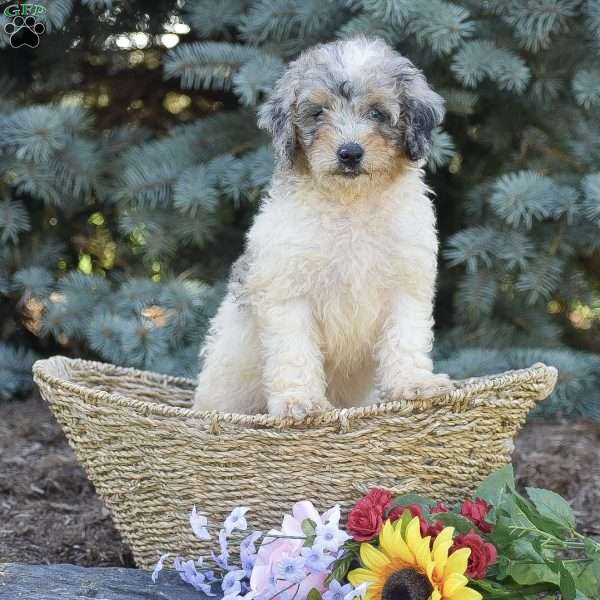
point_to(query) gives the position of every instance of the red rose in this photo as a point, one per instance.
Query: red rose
(433, 529)
(415, 510)
(439, 508)
(482, 555)
(366, 519)
(397, 512)
(476, 511)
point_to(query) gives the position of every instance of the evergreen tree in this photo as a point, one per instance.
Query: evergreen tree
(131, 165)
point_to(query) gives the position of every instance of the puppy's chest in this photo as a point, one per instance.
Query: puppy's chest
(354, 270)
(347, 256)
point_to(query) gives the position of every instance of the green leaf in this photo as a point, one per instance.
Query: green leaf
(502, 565)
(517, 523)
(351, 547)
(519, 517)
(524, 549)
(404, 521)
(494, 590)
(530, 573)
(488, 585)
(592, 548)
(309, 527)
(541, 522)
(450, 519)
(340, 568)
(552, 506)
(596, 568)
(408, 499)
(314, 594)
(503, 535)
(493, 487)
(567, 584)
(585, 578)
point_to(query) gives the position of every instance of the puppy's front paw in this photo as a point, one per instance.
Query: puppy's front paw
(297, 406)
(420, 387)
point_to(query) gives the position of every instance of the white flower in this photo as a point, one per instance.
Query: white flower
(199, 524)
(315, 560)
(333, 516)
(337, 591)
(158, 567)
(330, 537)
(247, 546)
(231, 585)
(291, 569)
(358, 592)
(222, 559)
(236, 520)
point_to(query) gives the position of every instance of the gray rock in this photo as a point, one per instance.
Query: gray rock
(68, 582)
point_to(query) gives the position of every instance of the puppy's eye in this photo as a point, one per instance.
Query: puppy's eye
(317, 112)
(376, 115)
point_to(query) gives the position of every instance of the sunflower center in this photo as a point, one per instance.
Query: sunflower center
(406, 584)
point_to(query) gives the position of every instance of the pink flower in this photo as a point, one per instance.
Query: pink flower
(263, 582)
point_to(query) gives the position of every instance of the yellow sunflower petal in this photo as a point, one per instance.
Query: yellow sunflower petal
(435, 595)
(443, 537)
(457, 562)
(372, 558)
(387, 538)
(440, 559)
(430, 568)
(402, 552)
(413, 533)
(373, 593)
(440, 554)
(423, 553)
(358, 576)
(466, 594)
(396, 548)
(453, 584)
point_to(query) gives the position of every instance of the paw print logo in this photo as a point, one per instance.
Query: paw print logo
(24, 32)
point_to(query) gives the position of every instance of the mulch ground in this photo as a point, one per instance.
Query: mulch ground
(49, 512)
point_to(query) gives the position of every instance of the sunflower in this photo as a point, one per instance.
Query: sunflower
(407, 567)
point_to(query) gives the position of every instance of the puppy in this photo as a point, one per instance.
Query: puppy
(331, 302)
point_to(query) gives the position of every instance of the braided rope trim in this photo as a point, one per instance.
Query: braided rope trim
(538, 379)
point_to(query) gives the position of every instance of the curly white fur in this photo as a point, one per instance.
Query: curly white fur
(332, 299)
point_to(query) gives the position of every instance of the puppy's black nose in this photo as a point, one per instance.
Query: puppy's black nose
(350, 154)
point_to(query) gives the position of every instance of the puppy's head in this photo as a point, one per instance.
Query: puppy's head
(351, 110)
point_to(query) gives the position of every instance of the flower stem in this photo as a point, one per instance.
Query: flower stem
(289, 587)
(551, 539)
(273, 538)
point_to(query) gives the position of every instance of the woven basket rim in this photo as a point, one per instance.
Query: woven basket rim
(55, 370)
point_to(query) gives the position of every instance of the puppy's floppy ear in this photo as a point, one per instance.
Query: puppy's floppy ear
(276, 116)
(423, 109)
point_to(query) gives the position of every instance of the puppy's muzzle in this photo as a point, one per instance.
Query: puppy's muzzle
(349, 158)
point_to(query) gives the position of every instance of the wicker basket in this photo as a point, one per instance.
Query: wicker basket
(151, 458)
